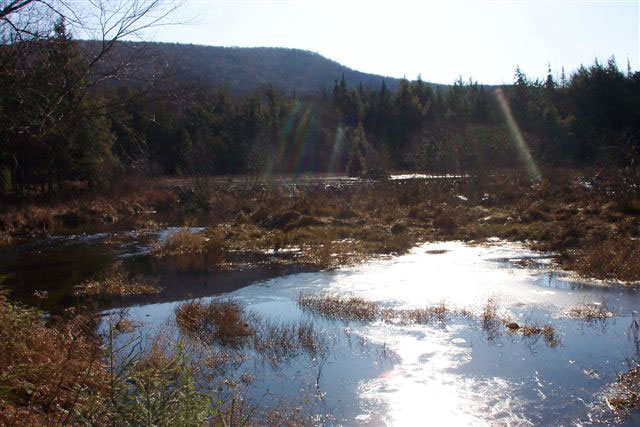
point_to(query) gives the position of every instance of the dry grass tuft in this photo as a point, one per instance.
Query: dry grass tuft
(590, 312)
(356, 308)
(116, 285)
(43, 368)
(223, 322)
(489, 314)
(336, 307)
(610, 259)
(183, 241)
(548, 332)
(424, 315)
(626, 393)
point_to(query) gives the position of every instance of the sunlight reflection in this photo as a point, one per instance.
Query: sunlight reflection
(519, 141)
(424, 389)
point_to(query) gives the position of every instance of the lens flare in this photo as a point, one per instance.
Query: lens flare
(518, 139)
(301, 141)
(337, 148)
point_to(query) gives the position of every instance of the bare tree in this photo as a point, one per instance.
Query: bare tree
(39, 89)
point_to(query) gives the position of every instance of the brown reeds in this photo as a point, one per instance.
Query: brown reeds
(183, 241)
(223, 322)
(590, 312)
(117, 285)
(336, 307)
(625, 395)
(358, 309)
(226, 323)
(43, 368)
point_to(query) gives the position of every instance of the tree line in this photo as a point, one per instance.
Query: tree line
(69, 115)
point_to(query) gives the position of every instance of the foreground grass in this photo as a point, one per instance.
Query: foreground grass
(64, 374)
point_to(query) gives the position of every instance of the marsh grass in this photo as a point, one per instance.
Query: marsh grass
(186, 241)
(548, 332)
(338, 225)
(44, 368)
(491, 321)
(590, 312)
(355, 308)
(614, 259)
(116, 285)
(226, 323)
(341, 308)
(222, 322)
(281, 341)
(625, 394)
(183, 241)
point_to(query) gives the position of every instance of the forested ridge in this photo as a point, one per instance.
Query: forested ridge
(242, 71)
(67, 116)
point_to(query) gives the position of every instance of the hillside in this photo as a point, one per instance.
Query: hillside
(244, 70)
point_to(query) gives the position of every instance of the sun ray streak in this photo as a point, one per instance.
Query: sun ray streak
(518, 139)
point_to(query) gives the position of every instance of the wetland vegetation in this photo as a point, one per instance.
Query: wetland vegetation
(172, 253)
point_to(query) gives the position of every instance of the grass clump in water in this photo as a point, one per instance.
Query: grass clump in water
(336, 307)
(548, 332)
(626, 391)
(223, 322)
(226, 323)
(425, 315)
(590, 312)
(116, 285)
(185, 241)
(282, 341)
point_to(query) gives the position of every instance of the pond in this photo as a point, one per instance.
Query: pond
(380, 372)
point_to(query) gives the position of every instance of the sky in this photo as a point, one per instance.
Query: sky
(440, 40)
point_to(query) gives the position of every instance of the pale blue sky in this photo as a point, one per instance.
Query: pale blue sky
(439, 39)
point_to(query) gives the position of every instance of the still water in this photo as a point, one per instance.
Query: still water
(452, 373)
(385, 373)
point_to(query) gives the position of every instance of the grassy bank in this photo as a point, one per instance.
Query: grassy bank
(590, 219)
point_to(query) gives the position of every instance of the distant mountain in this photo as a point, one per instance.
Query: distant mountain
(245, 70)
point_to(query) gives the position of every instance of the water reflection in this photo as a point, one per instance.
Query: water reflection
(384, 373)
